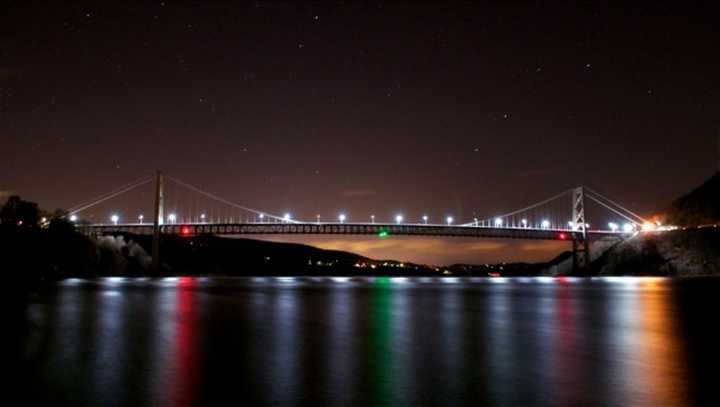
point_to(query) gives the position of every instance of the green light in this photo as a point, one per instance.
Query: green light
(383, 234)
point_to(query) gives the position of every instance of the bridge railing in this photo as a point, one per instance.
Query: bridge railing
(380, 230)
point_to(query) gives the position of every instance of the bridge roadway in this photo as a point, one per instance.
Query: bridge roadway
(229, 229)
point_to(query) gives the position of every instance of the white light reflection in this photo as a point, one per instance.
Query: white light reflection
(114, 280)
(72, 281)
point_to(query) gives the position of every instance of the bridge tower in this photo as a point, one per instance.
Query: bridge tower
(158, 220)
(581, 246)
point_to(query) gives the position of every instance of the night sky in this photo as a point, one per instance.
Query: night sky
(375, 108)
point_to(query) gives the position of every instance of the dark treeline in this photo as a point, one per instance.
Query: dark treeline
(699, 207)
(39, 246)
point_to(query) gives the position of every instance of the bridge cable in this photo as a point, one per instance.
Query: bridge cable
(616, 204)
(102, 198)
(614, 210)
(533, 206)
(226, 202)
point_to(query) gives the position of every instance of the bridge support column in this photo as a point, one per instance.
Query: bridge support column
(581, 246)
(158, 221)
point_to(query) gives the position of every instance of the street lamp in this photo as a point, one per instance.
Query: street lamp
(114, 218)
(628, 228)
(524, 223)
(425, 219)
(498, 222)
(613, 226)
(172, 217)
(73, 218)
(342, 218)
(287, 217)
(202, 217)
(545, 224)
(372, 218)
(140, 218)
(398, 219)
(318, 218)
(449, 220)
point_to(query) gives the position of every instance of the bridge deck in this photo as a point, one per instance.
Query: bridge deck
(229, 229)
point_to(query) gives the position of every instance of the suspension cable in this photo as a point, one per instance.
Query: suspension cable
(615, 210)
(533, 206)
(226, 202)
(102, 198)
(616, 204)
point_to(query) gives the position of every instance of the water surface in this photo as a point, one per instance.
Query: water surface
(371, 341)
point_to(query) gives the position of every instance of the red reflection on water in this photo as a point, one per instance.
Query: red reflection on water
(567, 363)
(185, 358)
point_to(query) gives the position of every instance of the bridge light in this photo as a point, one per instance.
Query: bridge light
(524, 223)
(318, 218)
(613, 226)
(425, 219)
(372, 218)
(476, 222)
(545, 224)
(648, 227)
(449, 220)
(498, 222)
(114, 218)
(261, 216)
(287, 217)
(140, 218)
(202, 217)
(628, 228)
(73, 218)
(398, 219)
(342, 218)
(172, 217)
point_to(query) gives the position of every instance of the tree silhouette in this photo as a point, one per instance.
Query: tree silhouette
(19, 212)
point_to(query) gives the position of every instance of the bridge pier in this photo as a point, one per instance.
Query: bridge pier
(581, 246)
(581, 256)
(158, 220)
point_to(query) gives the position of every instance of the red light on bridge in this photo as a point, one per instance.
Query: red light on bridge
(185, 231)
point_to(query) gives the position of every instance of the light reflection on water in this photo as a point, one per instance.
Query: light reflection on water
(362, 341)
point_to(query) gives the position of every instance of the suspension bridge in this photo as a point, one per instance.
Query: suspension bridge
(564, 216)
